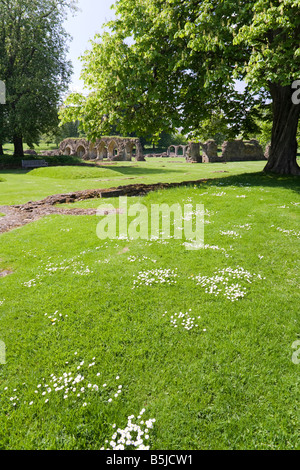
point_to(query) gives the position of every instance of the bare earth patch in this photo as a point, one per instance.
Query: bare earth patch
(5, 273)
(19, 215)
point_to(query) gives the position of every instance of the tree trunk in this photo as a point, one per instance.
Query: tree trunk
(18, 146)
(283, 152)
(1, 150)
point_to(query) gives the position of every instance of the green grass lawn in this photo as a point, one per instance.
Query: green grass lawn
(91, 339)
(39, 183)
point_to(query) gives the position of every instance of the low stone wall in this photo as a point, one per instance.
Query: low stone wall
(50, 153)
(157, 155)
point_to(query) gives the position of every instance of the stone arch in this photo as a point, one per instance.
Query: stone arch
(112, 149)
(68, 150)
(67, 147)
(134, 151)
(92, 151)
(102, 151)
(172, 149)
(80, 151)
(180, 151)
(129, 151)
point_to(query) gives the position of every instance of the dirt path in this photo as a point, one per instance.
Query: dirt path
(19, 215)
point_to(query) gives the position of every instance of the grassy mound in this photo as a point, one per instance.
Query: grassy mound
(2, 180)
(74, 172)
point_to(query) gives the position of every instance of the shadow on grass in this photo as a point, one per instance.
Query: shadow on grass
(258, 179)
(137, 171)
(120, 170)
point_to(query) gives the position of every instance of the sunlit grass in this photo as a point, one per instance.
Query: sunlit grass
(74, 173)
(70, 308)
(35, 187)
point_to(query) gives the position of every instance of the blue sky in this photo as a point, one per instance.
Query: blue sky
(82, 27)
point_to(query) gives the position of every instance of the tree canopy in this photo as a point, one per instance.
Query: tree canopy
(33, 65)
(165, 64)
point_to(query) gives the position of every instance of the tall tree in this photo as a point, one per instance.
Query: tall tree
(33, 65)
(173, 63)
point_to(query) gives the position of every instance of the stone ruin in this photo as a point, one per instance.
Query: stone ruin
(242, 150)
(30, 152)
(178, 151)
(110, 148)
(157, 155)
(126, 148)
(232, 151)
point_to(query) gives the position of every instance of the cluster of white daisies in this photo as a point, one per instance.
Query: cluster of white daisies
(155, 276)
(222, 282)
(133, 436)
(184, 320)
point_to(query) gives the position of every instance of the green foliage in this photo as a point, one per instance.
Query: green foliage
(144, 85)
(61, 132)
(167, 65)
(165, 140)
(264, 127)
(33, 65)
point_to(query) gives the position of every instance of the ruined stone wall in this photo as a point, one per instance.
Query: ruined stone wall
(178, 150)
(242, 150)
(123, 149)
(193, 153)
(232, 151)
(112, 148)
(210, 152)
(203, 152)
